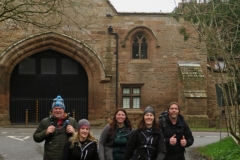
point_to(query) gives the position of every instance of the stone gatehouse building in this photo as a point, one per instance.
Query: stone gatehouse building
(128, 60)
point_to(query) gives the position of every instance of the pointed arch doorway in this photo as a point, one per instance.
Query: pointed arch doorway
(36, 80)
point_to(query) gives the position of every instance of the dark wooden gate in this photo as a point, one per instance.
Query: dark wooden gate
(47, 74)
(33, 110)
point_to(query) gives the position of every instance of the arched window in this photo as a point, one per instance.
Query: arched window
(139, 47)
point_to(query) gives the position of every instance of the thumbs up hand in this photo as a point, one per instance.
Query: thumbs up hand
(183, 141)
(173, 140)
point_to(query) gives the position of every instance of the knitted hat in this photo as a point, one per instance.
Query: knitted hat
(149, 109)
(58, 102)
(83, 122)
(172, 104)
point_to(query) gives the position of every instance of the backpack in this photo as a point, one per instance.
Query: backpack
(64, 125)
(162, 118)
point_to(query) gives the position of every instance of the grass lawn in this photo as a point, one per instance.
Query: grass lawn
(226, 149)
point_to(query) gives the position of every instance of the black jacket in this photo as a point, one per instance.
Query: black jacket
(88, 151)
(176, 152)
(144, 145)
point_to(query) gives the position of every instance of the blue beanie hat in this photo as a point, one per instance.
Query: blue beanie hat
(58, 102)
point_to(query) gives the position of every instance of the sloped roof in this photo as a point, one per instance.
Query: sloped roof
(193, 79)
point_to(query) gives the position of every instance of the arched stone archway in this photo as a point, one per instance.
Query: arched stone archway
(50, 41)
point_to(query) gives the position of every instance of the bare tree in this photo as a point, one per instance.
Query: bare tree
(218, 22)
(36, 12)
(63, 16)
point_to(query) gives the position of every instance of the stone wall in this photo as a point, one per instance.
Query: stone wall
(94, 48)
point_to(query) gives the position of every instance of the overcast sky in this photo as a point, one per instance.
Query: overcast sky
(145, 5)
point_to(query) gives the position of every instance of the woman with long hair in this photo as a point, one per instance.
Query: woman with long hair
(147, 142)
(114, 137)
(82, 145)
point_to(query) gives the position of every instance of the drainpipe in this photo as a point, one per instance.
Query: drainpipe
(110, 30)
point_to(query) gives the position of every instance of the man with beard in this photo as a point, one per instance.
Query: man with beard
(55, 130)
(176, 132)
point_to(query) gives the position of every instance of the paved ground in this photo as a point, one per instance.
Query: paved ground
(15, 136)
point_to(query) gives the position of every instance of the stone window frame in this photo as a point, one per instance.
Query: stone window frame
(151, 39)
(131, 95)
(217, 65)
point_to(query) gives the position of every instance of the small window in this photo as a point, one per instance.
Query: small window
(48, 66)
(27, 66)
(69, 66)
(131, 97)
(139, 47)
(220, 66)
(126, 102)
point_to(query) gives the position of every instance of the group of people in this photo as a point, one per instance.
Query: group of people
(153, 139)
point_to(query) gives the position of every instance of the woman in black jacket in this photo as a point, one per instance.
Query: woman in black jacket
(82, 145)
(147, 142)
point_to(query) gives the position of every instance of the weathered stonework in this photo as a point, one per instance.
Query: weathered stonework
(95, 49)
